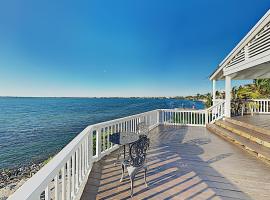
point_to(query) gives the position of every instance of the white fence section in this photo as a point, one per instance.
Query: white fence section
(216, 112)
(256, 106)
(65, 176)
(183, 117)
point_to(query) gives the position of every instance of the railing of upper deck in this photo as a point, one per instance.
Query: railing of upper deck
(183, 117)
(193, 117)
(256, 106)
(216, 111)
(65, 176)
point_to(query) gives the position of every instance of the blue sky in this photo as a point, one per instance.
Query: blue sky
(118, 48)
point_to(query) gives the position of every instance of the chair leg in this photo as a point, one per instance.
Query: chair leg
(131, 186)
(145, 170)
(118, 156)
(123, 171)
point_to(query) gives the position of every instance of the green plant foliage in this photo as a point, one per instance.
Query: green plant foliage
(47, 161)
(259, 89)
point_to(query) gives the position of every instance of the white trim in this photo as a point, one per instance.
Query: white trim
(228, 89)
(214, 90)
(252, 62)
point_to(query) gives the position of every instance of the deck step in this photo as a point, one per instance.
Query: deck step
(243, 131)
(250, 126)
(258, 149)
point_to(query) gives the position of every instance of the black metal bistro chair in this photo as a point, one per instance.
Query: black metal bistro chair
(136, 161)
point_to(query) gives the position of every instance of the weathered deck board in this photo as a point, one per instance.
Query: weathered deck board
(262, 120)
(185, 163)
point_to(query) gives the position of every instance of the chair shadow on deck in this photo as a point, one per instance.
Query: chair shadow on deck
(175, 171)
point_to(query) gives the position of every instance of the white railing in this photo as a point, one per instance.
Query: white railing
(215, 112)
(256, 106)
(65, 176)
(216, 101)
(183, 117)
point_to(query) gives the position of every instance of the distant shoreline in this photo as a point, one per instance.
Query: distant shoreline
(188, 98)
(174, 97)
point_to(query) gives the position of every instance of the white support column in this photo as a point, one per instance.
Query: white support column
(228, 89)
(214, 91)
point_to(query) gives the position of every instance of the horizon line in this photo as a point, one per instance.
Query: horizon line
(11, 96)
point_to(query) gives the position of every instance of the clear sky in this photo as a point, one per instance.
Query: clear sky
(118, 48)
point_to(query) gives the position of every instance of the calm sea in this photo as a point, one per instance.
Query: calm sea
(32, 129)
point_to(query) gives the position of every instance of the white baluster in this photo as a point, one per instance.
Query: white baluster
(108, 133)
(63, 177)
(68, 180)
(98, 145)
(73, 176)
(82, 158)
(56, 187)
(47, 193)
(91, 148)
(80, 164)
(87, 152)
(77, 170)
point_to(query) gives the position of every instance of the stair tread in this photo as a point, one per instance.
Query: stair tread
(263, 137)
(250, 126)
(265, 151)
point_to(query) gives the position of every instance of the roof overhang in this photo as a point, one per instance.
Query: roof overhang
(239, 59)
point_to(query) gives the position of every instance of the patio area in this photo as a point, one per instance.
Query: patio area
(185, 163)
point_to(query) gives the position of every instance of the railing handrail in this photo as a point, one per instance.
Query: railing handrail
(216, 105)
(185, 110)
(260, 99)
(121, 119)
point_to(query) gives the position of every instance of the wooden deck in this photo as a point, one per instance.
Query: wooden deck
(185, 163)
(262, 120)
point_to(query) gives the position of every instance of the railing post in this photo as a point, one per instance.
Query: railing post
(90, 138)
(158, 117)
(98, 143)
(206, 117)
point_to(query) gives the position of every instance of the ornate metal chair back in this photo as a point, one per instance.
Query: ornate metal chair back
(137, 152)
(142, 128)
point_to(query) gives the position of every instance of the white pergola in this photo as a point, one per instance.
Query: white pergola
(250, 59)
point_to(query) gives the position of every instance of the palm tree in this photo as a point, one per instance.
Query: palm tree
(263, 85)
(218, 94)
(208, 101)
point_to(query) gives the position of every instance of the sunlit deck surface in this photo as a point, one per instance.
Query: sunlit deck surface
(185, 163)
(261, 120)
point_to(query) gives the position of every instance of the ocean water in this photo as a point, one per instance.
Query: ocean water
(32, 129)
